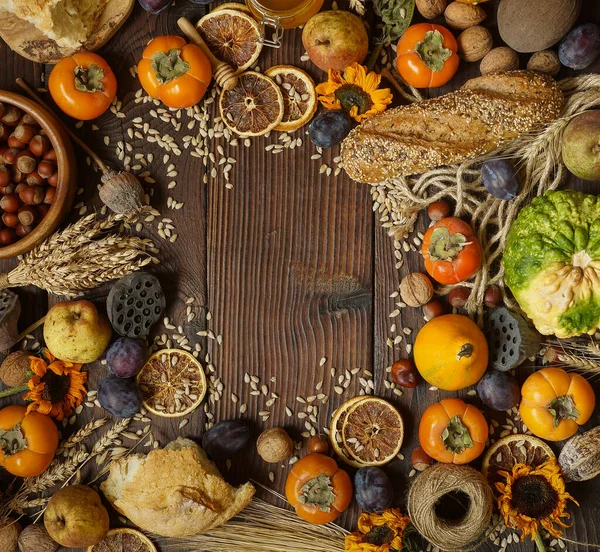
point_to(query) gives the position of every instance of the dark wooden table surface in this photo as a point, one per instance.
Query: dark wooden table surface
(291, 273)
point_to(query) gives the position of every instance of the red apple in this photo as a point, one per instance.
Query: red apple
(335, 39)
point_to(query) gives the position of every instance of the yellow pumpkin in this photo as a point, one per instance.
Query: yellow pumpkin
(451, 352)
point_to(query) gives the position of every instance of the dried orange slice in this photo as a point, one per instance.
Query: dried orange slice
(335, 431)
(299, 96)
(123, 540)
(232, 6)
(511, 450)
(172, 383)
(254, 106)
(372, 432)
(232, 36)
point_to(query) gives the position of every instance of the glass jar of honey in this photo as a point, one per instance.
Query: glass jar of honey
(280, 15)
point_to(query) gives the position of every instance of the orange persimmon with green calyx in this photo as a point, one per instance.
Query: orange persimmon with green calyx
(83, 85)
(451, 352)
(318, 489)
(174, 72)
(27, 441)
(451, 251)
(453, 432)
(554, 403)
(427, 55)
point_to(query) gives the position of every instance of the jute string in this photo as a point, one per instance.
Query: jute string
(538, 156)
(465, 533)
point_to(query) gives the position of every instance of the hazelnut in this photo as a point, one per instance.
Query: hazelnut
(459, 296)
(430, 9)
(545, 61)
(14, 368)
(433, 309)
(462, 16)
(493, 296)
(318, 444)
(274, 445)
(35, 538)
(10, 529)
(420, 460)
(438, 210)
(499, 60)
(416, 289)
(474, 43)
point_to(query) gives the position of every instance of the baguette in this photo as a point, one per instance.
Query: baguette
(485, 113)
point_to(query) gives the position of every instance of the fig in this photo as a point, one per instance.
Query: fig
(373, 489)
(501, 179)
(581, 146)
(126, 357)
(225, 439)
(119, 396)
(499, 390)
(580, 47)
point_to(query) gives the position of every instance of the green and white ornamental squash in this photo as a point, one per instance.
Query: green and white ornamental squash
(552, 262)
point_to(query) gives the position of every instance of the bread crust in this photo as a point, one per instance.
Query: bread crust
(485, 113)
(174, 492)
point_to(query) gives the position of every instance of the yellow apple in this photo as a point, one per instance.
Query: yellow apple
(76, 332)
(76, 517)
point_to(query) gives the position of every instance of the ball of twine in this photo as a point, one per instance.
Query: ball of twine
(436, 482)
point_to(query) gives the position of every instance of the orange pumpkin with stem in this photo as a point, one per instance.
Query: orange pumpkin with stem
(174, 72)
(555, 403)
(451, 352)
(453, 432)
(318, 489)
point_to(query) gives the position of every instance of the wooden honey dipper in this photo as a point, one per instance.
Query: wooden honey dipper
(223, 72)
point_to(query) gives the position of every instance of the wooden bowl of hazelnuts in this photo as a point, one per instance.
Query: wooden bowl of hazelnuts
(37, 174)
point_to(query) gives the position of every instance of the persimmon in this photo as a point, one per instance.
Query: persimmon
(174, 72)
(427, 55)
(318, 489)
(451, 251)
(33, 441)
(83, 85)
(453, 432)
(554, 403)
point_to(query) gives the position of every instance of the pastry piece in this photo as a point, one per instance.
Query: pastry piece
(68, 22)
(487, 112)
(174, 492)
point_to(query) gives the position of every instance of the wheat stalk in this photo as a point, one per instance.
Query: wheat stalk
(268, 528)
(80, 435)
(81, 257)
(583, 356)
(358, 6)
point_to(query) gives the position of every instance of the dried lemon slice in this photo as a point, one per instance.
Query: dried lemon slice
(232, 36)
(511, 450)
(172, 383)
(254, 106)
(372, 432)
(123, 540)
(335, 431)
(299, 96)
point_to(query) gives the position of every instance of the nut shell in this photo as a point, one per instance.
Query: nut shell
(274, 445)
(14, 368)
(474, 43)
(545, 61)
(580, 457)
(462, 16)
(416, 289)
(9, 535)
(35, 538)
(430, 9)
(499, 60)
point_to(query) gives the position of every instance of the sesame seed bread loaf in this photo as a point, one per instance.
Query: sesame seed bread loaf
(68, 22)
(175, 491)
(484, 114)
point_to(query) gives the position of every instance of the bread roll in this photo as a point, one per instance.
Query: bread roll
(68, 22)
(484, 114)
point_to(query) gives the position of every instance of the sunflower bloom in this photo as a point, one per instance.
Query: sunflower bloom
(531, 497)
(56, 387)
(378, 532)
(355, 91)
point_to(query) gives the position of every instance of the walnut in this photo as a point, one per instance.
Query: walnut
(274, 445)
(430, 9)
(474, 43)
(35, 538)
(545, 61)
(499, 60)
(462, 16)
(9, 533)
(416, 289)
(14, 368)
